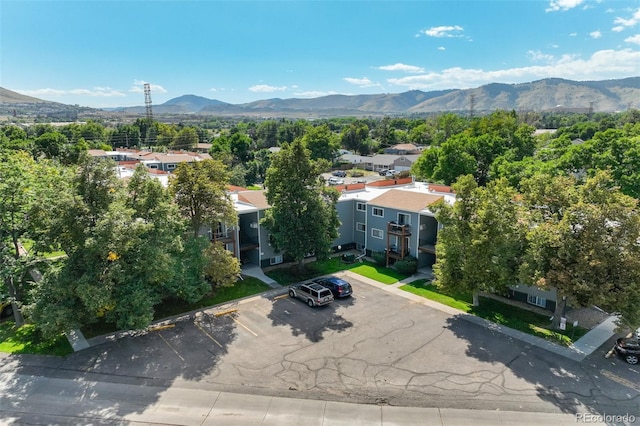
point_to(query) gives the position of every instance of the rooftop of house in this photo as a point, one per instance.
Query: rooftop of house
(408, 196)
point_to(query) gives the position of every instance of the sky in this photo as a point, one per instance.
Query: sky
(100, 53)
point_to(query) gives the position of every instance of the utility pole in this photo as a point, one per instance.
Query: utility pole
(472, 104)
(147, 102)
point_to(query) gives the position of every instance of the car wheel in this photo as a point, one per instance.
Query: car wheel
(310, 303)
(291, 293)
(7, 311)
(631, 359)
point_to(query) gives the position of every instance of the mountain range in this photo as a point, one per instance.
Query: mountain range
(541, 95)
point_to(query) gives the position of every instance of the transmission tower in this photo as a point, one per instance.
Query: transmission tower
(147, 101)
(472, 104)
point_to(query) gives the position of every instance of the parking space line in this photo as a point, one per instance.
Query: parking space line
(244, 326)
(172, 348)
(207, 334)
(619, 379)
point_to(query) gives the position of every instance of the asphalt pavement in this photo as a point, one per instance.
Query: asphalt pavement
(67, 396)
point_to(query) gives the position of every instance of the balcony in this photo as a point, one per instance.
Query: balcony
(399, 230)
(427, 246)
(223, 236)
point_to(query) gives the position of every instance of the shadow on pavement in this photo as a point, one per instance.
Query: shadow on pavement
(572, 387)
(146, 363)
(307, 321)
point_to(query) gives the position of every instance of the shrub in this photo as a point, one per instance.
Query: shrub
(408, 265)
(379, 257)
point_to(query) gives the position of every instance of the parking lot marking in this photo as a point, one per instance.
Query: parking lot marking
(244, 326)
(208, 335)
(619, 379)
(161, 327)
(230, 311)
(172, 348)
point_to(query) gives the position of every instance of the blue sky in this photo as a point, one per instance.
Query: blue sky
(100, 53)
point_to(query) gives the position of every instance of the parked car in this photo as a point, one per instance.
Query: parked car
(392, 173)
(335, 181)
(338, 286)
(628, 349)
(383, 172)
(340, 173)
(312, 293)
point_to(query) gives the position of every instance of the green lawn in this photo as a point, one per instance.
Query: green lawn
(28, 244)
(501, 313)
(379, 273)
(26, 340)
(289, 275)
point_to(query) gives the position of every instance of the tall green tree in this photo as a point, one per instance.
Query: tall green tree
(303, 217)
(322, 143)
(200, 191)
(481, 241)
(584, 245)
(125, 255)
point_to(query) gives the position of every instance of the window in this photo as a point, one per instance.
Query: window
(537, 300)
(361, 207)
(376, 233)
(270, 239)
(171, 166)
(276, 260)
(377, 211)
(361, 227)
(404, 219)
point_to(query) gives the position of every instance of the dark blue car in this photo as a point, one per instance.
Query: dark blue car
(339, 287)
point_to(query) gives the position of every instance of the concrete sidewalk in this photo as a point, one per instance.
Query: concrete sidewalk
(257, 272)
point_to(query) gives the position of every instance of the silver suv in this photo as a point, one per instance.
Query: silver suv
(313, 294)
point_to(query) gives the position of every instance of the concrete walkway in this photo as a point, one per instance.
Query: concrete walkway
(257, 272)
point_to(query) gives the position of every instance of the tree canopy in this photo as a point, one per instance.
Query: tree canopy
(303, 217)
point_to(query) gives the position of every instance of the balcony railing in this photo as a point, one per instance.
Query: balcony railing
(396, 229)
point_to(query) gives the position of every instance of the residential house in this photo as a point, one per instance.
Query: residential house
(403, 149)
(372, 219)
(380, 162)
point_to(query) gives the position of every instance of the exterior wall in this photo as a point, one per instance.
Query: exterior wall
(380, 223)
(402, 164)
(360, 217)
(268, 254)
(346, 210)
(523, 293)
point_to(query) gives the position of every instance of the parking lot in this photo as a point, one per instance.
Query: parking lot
(375, 347)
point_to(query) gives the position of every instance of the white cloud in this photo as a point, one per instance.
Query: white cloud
(43, 92)
(138, 87)
(595, 34)
(623, 23)
(314, 94)
(361, 82)
(602, 65)
(633, 39)
(96, 91)
(444, 31)
(265, 88)
(556, 5)
(441, 48)
(401, 67)
(538, 56)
